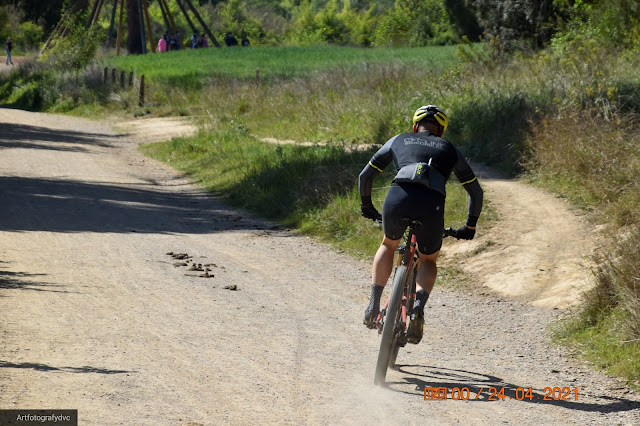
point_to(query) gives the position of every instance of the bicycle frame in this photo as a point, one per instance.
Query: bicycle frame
(408, 257)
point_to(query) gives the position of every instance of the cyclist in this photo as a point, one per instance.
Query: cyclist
(423, 162)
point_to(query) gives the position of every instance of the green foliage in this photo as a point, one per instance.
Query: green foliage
(582, 167)
(493, 126)
(517, 25)
(614, 23)
(30, 35)
(462, 15)
(76, 50)
(10, 18)
(415, 23)
(600, 337)
(234, 18)
(27, 91)
(360, 25)
(329, 25)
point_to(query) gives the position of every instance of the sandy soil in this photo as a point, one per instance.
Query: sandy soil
(17, 60)
(94, 314)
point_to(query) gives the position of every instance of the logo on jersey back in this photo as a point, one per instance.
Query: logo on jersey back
(424, 142)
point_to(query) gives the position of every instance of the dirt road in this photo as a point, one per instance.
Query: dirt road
(96, 317)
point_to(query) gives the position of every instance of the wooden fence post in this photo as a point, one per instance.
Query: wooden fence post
(106, 74)
(122, 79)
(141, 100)
(130, 79)
(113, 76)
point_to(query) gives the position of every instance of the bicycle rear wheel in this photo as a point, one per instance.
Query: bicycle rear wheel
(388, 330)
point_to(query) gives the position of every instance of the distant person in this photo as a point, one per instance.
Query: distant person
(204, 41)
(172, 42)
(194, 40)
(8, 46)
(178, 38)
(245, 41)
(230, 40)
(162, 45)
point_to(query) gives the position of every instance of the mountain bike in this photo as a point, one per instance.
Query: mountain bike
(392, 320)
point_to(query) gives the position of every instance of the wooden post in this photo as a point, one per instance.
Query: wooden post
(141, 99)
(120, 28)
(106, 74)
(122, 79)
(130, 79)
(145, 9)
(113, 76)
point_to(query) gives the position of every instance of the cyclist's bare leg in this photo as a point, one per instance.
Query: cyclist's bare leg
(383, 261)
(427, 272)
(381, 271)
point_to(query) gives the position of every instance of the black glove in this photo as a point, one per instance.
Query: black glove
(465, 233)
(370, 212)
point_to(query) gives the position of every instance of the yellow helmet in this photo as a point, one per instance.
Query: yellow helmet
(432, 111)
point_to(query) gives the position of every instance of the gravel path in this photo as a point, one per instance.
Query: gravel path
(95, 315)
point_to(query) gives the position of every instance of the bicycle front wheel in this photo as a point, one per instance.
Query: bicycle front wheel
(391, 318)
(409, 294)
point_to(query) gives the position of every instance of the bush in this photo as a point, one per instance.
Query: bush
(519, 25)
(429, 25)
(30, 36)
(76, 50)
(492, 126)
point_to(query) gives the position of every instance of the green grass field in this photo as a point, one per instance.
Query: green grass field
(186, 67)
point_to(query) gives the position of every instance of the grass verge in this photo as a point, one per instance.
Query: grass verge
(312, 189)
(602, 339)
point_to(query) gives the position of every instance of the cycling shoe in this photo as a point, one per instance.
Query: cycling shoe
(370, 318)
(414, 331)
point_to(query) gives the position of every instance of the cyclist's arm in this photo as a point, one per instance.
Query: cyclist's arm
(376, 165)
(469, 181)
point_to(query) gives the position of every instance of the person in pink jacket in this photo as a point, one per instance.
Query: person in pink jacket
(162, 45)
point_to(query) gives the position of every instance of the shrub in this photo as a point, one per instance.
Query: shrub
(30, 35)
(429, 25)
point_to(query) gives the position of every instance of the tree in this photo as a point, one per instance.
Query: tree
(134, 36)
(44, 13)
(462, 16)
(517, 23)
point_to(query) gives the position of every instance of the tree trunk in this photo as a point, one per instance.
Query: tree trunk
(134, 39)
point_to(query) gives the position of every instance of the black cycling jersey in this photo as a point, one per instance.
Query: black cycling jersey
(424, 147)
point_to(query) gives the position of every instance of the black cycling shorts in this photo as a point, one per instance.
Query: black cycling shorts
(407, 200)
